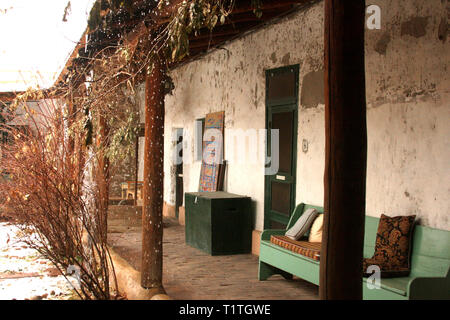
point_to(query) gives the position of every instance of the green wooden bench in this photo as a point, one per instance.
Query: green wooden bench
(430, 262)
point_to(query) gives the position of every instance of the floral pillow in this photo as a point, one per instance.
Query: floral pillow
(392, 247)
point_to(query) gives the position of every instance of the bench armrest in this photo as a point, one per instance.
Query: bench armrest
(265, 235)
(429, 288)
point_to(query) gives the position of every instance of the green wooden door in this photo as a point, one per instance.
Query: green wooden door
(281, 115)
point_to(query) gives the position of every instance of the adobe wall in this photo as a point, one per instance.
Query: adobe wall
(408, 108)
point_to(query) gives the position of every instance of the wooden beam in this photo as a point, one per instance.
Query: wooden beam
(73, 55)
(8, 96)
(208, 43)
(152, 224)
(268, 5)
(196, 52)
(248, 19)
(229, 31)
(251, 17)
(225, 29)
(345, 151)
(165, 15)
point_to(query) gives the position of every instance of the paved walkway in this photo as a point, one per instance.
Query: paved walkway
(191, 274)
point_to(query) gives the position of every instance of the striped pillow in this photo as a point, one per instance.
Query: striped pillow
(302, 224)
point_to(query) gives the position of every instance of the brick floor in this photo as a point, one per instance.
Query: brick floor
(191, 274)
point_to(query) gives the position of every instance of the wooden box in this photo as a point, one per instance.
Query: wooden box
(218, 223)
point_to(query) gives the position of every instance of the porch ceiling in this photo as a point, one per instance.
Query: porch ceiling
(240, 21)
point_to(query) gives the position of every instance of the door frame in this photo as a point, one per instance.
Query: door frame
(280, 105)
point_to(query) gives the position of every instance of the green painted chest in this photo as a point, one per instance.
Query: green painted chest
(218, 223)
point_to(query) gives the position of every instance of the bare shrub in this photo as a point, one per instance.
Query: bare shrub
(45, 188)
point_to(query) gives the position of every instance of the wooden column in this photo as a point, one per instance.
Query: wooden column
(346, 151)
(70, 120)
(71, 158)
(71, 167)
(80, 141)
(152, 228)
(136, 169)
(103, 177)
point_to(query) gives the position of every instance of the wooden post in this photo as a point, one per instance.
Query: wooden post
(152, 227)
(70, 120)
(346, 151)
(80, 147)
(103, 177)
(136, 169)
(71, 165)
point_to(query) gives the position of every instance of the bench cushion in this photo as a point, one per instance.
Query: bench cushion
(305, 248)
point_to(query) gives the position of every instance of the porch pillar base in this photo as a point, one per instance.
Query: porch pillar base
(129, 281)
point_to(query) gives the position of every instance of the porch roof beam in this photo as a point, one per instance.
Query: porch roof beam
(211, 35)
(249, 21)
(268, 5)
(208, 43)
(250, 16)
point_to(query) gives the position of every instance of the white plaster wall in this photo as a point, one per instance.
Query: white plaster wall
(408, 100)
(233, 80)
(407, 97)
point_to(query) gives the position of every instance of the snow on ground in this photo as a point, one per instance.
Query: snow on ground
(24, 274)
